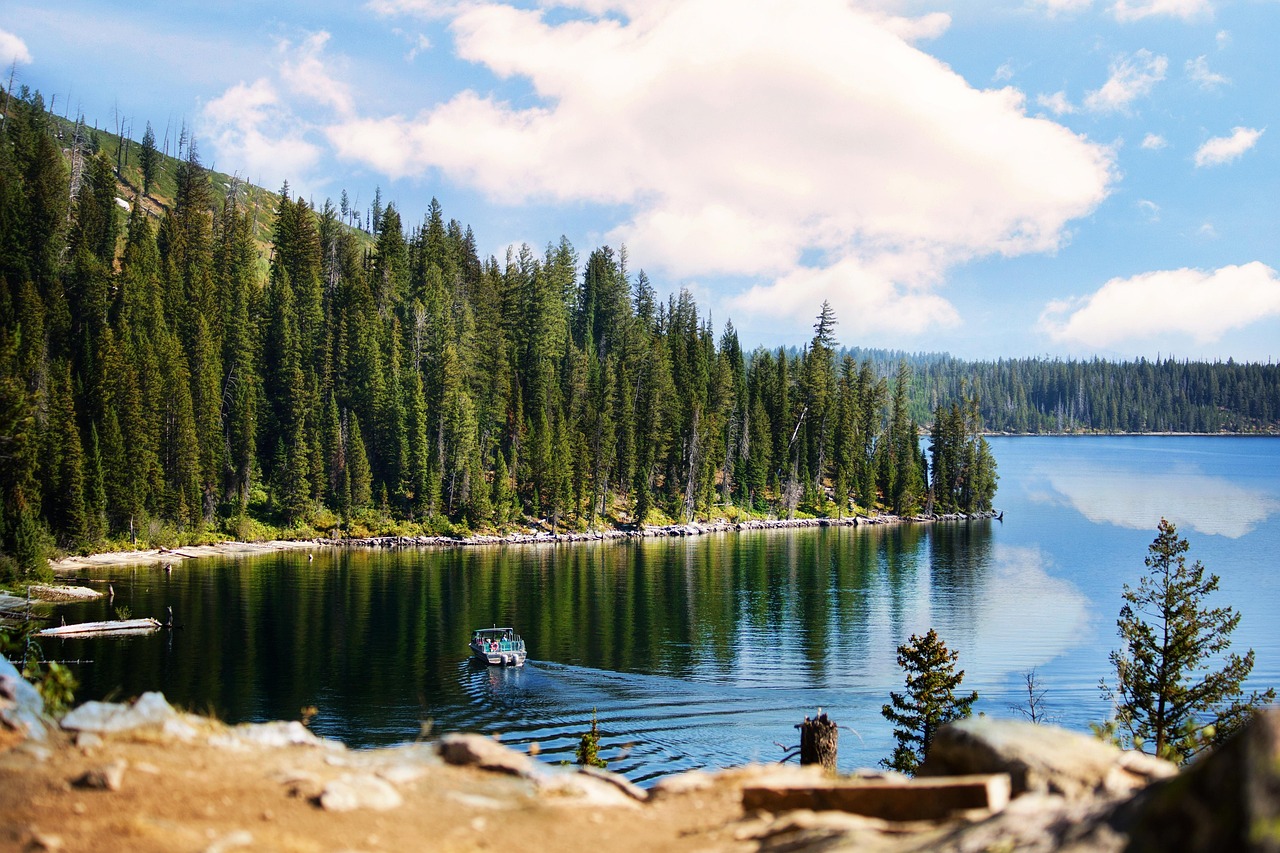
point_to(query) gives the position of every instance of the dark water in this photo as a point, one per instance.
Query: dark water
(707, 651)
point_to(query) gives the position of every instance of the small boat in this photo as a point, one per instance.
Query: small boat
(498, 646)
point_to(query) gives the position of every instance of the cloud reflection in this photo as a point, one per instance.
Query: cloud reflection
(1024, 617)
(1137, 499)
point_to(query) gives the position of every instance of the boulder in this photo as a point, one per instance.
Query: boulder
(486, 753)
(359, 791)
(21, 707)
(1040, 759)
(1227, 800)
(147, 711)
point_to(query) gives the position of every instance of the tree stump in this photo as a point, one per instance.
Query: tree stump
(819, 742)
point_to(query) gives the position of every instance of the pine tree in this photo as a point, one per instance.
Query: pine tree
(1168, 699)
(929, 701)
(148, 159)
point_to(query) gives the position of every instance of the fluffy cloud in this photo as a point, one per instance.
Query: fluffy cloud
(1167, 305)
(743, 138)
(1224, 149)
(305, 70)
(13, 50)
(1056, 103)
(248, 126)
(1132, 77)
(1154, 142)
(1136, 10)
(1058, 7)
(1198, 71)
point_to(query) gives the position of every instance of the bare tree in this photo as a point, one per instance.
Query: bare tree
(1033, 705)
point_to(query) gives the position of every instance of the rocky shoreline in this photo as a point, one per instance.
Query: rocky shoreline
(141, 775)
(530, 536)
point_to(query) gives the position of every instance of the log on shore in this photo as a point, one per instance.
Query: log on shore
(118, 627)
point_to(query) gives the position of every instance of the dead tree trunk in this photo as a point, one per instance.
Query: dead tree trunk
(819, 741)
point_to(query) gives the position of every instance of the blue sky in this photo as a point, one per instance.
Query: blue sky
(1063, 177)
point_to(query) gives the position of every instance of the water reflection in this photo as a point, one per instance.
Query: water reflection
(693, 651)
(1137, 492)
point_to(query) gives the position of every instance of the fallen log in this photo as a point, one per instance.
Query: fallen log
(119, 627)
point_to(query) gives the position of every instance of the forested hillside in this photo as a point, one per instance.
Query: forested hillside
(161, 379)
(1047, 396)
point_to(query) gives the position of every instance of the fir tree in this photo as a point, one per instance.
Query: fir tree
(1169, 700)
(929, 701)
(148, 159)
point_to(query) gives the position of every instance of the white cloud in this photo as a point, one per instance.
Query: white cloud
(248, 126)
(926, 27)
(1198, 71)
(1224, 149)
(1059, 7)
(1150, 209)
(13, 50)
(744, 137)
(1167, 304)
(1056, 103)
(1207, 231)
(1222, 39)
(419, 44)
(1132, 77)
(306, 71)
(1004, 73)
(1154, 142)
(1136, 10)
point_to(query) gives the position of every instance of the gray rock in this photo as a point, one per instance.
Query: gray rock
(1039, 758)
(1227, 800)
(21, 707)
(618, 781)
(108, 777)
(148, 710)
(486, 753)
(359, 791)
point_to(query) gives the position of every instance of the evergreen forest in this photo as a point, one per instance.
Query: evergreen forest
(174, 368)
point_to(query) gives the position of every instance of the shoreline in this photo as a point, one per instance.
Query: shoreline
(153, 556)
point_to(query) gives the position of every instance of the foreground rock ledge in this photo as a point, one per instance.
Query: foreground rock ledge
(143, 776)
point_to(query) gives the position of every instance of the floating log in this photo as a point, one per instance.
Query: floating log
(119, 627)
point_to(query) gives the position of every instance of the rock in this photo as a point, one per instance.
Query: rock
(580, 789)
(682, 783)
(1039, 758)
(231, 841)
(21, 707)
(618, 781)
(486, 753)
(1227, 800)
(109, 777)
(359, 791)
(148, 710)
(277, 734)
(1038, 823)
(914, 800)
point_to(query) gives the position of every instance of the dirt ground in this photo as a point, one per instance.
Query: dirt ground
(198, 797)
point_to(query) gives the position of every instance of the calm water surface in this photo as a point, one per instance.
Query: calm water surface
(707, 651)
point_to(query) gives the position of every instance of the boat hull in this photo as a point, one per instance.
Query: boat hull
(509, 658)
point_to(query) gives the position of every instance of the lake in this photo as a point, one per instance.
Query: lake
(707, 651)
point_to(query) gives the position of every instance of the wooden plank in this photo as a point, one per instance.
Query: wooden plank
(916, 799)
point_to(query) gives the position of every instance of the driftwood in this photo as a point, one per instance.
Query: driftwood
(819, 741)
(119, 627)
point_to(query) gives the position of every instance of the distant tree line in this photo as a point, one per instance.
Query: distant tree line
(1050, 395)
(172, 376)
